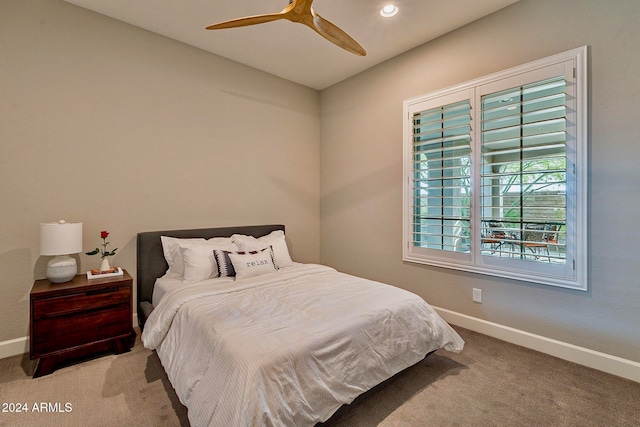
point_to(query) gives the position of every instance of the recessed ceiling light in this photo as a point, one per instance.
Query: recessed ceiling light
(389, 10)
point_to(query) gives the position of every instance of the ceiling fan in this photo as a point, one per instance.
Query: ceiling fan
(302, 12)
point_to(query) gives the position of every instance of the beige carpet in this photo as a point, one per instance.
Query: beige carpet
(491, 383)
(124, 390)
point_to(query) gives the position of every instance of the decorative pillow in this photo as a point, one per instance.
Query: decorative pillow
(254, 263)
(171, 250)
(223, 264)
(275, 239)
(199, 262)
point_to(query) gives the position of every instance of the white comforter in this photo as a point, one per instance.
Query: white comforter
(288, 348)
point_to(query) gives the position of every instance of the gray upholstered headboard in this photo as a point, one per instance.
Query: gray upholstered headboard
(151, 262)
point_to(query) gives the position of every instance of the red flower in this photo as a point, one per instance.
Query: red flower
(104, 252)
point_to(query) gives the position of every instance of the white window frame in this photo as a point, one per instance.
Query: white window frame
(573, 273)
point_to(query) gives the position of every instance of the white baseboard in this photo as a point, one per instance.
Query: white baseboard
(583, 356)
(14, 347)
(21, 345)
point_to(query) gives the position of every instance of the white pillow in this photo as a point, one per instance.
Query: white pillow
(275, 239)
(198, 259)
(251, 264)
(171, 250)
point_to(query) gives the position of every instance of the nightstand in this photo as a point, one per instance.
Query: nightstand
(79, 318)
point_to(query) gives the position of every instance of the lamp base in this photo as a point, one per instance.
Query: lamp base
(61, 269)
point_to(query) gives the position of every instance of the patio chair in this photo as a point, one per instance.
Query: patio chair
(538, 236)
(494, 236)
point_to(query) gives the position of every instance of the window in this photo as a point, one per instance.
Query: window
(441, 177)
(495, 174)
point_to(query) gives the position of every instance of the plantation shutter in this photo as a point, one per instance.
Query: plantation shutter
(495, 174)
(523, 174)
(441, 162)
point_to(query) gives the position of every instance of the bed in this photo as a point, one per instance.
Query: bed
(251, 338)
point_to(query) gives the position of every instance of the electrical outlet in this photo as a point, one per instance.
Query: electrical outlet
(477, 295)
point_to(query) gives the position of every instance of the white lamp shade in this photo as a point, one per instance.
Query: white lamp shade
(60, 238)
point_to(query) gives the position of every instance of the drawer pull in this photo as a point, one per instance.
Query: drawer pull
(102, 291)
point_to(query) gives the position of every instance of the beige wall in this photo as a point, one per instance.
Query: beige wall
(128, 131)
(361, 170)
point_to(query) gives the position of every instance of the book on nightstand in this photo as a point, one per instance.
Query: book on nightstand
(97, 274)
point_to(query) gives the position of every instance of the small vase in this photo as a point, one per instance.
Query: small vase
(104, 266)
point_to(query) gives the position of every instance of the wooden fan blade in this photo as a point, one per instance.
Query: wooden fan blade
(335, 35)
(248, 20)
(302, 12)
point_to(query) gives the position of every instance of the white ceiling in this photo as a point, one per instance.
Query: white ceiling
(291, 50)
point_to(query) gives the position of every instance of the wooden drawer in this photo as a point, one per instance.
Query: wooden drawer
(75, 319)
(73, 303)
(60, 333)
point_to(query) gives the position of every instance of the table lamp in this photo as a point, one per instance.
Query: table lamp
(61, 239)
